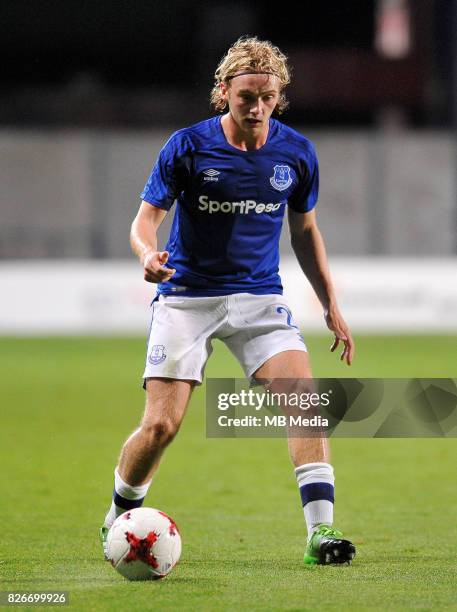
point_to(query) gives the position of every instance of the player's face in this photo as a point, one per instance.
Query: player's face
(251, 99)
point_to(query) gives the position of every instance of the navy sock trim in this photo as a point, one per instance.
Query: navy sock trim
(317, 490)
(126, 504)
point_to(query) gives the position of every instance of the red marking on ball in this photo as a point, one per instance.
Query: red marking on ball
(140, 549)
(173, 528)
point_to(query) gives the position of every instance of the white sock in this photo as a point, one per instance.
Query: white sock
(125, 497)
(316, 483)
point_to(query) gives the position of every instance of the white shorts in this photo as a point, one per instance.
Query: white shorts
(254, 327)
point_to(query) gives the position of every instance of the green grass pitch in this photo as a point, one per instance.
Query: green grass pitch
(66, 406)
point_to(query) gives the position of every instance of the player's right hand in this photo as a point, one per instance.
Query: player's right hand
(154, 267)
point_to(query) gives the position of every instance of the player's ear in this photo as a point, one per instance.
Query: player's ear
(281, 103)
(223, 87)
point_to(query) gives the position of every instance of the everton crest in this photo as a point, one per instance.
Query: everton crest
(157, 354)
(281, 178)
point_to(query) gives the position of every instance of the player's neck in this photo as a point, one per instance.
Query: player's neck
(240, 139)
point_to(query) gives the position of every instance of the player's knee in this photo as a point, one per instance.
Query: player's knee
(160, 432)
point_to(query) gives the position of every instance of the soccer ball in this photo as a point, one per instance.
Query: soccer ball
(143, 544)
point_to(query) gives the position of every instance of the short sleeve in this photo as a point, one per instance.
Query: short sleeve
(168, 176)
(304, 197)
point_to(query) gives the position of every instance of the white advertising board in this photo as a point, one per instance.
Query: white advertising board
(93, 297)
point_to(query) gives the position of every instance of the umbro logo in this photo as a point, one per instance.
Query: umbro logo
(211, 175)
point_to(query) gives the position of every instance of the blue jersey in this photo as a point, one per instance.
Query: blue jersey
(230, 206)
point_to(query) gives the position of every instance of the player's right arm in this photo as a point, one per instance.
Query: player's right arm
(143, 239)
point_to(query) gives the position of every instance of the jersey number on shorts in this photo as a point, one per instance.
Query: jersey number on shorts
(281, 309)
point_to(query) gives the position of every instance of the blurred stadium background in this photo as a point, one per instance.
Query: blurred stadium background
(90, 92)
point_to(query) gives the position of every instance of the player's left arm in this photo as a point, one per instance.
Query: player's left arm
(309, 248)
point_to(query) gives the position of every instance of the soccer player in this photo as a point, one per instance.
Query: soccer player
(233, 176)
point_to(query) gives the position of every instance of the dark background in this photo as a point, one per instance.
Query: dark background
(138, 63)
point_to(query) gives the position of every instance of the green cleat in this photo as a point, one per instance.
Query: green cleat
(326, 547)
(103, 536)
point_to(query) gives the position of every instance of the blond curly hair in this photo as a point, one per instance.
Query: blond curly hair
(249, 54)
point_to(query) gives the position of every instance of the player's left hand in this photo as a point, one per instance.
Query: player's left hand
(338, 326)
